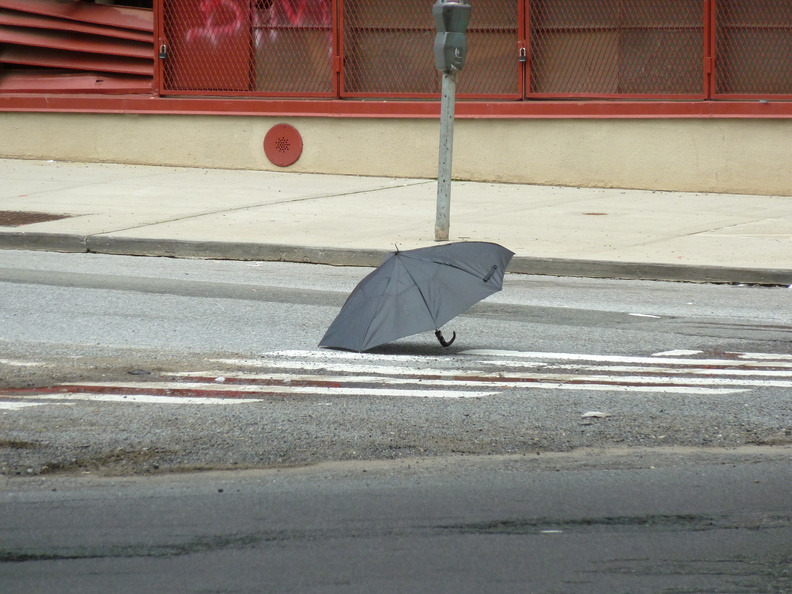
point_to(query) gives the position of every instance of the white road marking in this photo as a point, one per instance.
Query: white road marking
(340, 367)
(673, 371)
(17, 363)
(471, 374)
(264, 389)
(137, 398)
(679, 353)
(336, 355)
(500, 380)
(764, 356)
(624, 359)
(18, 405)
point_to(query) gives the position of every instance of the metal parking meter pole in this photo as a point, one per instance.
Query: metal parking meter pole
(450, 49)
(448, 100)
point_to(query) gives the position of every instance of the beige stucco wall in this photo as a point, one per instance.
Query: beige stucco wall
(750, 156)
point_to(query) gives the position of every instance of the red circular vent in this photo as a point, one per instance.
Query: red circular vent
(283, 145)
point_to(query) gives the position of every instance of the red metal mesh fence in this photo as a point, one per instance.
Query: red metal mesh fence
(293, 46)
(753, 54)
(387, 49)
(276, 47)
(208, 45)
(492, 63)
(620, 47)
(383, 48)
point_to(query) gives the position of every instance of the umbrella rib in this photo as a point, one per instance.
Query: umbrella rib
(449, 264)
(374, 315)
(417, 286)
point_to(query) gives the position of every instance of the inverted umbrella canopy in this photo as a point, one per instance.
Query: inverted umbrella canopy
(417, 291)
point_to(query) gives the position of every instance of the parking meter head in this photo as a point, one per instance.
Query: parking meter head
(450, 46)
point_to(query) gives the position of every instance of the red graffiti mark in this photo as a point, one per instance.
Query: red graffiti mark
(275, 15)
(222, 18)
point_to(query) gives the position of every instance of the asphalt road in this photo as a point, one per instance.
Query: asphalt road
(580, 436)
(667, 364)
(621, 523)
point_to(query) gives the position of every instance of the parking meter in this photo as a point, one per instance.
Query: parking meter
(450, 46)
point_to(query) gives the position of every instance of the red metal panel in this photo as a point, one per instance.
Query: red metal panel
(99, 14)
(39, 39)
(33, 56)
(33, 81)
(46, 38)
(35, 21)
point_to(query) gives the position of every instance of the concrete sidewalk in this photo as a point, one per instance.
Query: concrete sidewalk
(346, 220)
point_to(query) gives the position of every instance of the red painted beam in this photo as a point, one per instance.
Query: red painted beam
(397, 109)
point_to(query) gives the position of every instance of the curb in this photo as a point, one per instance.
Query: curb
(217, 250)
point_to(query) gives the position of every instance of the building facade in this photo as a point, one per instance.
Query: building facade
(689, 95)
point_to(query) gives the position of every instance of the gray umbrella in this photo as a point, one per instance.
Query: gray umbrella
(417, 291)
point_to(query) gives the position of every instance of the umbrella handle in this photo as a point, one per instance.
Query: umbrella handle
(442, 340)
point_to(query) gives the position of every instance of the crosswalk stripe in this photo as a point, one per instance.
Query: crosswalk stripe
(625, 359)
(270, 362)
(669, 370)
(18, 405)
(137, 398)
(474, 373)
(503, 381)
(17, 363)
(233, 390)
